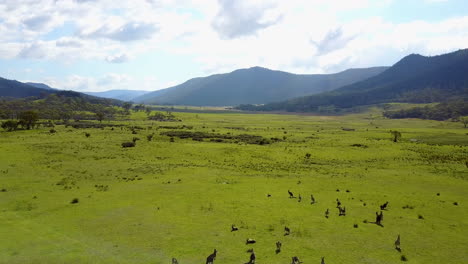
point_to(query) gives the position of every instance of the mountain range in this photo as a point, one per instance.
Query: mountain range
(11, 89)
(123, 95)
(254, 85)
(415, 79)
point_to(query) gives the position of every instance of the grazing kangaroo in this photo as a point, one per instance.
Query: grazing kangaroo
(323, 261)
(174, 261)
(210, 259)
(397, 244)
(327, 212)
(234, 228)
(291, 195)
(287, 231)
(384, 206)
(252, 258)
(250, 241)
(278, 247)
(338, 203)
(342, 211)
(295, 260)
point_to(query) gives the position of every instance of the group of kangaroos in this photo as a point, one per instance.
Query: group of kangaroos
(287, 231)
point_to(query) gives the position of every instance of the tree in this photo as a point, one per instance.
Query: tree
(65, 116)
(148, 110)
(10, 125)
(139, 107)
(100, 116)
(464, 120)
(28, 118)
(395, 135)
(127, 106)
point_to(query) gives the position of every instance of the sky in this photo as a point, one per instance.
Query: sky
(98, 45)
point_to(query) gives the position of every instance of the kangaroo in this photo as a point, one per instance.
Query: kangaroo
(295, 260)
(287, 231)
(342, 211)
(234, 228)
(291, 195)
(252, 258)
(250, 241)
(384, 206)
(210, 259)
(278, 247)
(397, 243)
(338, 203)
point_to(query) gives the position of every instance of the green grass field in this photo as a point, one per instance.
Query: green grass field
(165, 199)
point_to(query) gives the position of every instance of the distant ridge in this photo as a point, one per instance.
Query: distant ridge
(254, 85)
(415, 78)
(11, 89)
(15, 89)
(40, 85)
(124, 95)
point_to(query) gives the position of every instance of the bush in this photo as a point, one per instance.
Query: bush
(10, 125)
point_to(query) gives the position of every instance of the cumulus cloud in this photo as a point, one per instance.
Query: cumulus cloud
(237, 19)
(333, 40)
(69, 42)
(131, 31)
(213, 36)
(35, 50)
(121, 58)
(37, 22)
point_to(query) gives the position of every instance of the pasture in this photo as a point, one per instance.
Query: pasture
(178, 198)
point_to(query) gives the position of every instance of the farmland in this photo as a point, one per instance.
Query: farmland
(70, 198)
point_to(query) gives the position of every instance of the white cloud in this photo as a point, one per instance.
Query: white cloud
(301, 36)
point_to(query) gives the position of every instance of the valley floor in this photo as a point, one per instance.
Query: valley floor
(164, 199)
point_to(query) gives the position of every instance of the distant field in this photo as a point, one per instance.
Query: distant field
(164, 199)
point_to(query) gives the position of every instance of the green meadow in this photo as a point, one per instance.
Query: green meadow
(178, 198)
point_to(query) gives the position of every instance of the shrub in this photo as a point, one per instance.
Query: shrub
(10, 125)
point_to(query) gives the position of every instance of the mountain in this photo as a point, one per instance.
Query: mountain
(40, 85)
(15, 89)
(415, 78)
(253, 86)
(124, 95)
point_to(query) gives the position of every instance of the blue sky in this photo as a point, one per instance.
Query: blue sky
(96, 45)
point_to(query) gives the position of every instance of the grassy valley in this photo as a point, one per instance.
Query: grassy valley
(77, 196)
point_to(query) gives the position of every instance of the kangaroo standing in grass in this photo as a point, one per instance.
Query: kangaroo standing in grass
(252, 258)
(210, 259)
(397, 243)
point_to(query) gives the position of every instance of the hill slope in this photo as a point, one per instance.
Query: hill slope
(253, 86)
(415, 78)
(124, 95)
(15, 89)
(40, 85)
